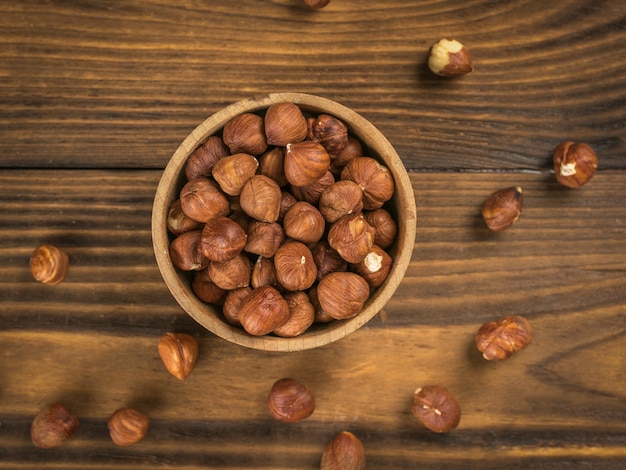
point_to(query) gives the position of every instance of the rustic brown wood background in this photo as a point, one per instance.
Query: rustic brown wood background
(95, 96)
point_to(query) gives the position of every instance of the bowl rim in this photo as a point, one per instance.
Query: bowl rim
(207, 315)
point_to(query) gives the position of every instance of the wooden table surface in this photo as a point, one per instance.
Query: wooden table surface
(96, 95)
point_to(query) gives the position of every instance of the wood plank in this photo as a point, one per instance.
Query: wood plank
(121, 84)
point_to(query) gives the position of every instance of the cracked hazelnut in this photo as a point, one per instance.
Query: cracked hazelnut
(290, 401)
(436, 408)
(185, 251)
(49, 264)
(201, 160)
(384, 225)
(503, 208)
(295, 267)
(231, 172)
(342, 294)
(285, 124)
(449, 58)
(263, 311)
(245, 133)
(53, 426)
(127, 426)
(330, 132)
(222, 239)
(341, 198)
(375, 267)
(374, 178)
(304, 222)
(301, 315)
(305, 162)
(499, 340)
(201, 199)
(231, 274)
(574, 163)
(179, 352)
(352, 237)
(344, 452)
(260, 198)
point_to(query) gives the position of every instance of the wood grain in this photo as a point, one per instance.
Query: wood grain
(90, 342)
(113, 84)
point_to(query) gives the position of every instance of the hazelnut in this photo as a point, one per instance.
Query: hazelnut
(177, 220)
(201, 160)
(574, 163)
(205, 289)
(338, 160)
(327, 259)
(285, 124)
(290, 401)
(185, 251)
(341, 198)
(311, 193)
(436, 408)
(316, 3)
(272, 165)
(233, 171)
(260, 198)
(330, 132)
(231, 274)
(264, 238)
(343, 452)
(264, 273)
(449, 58)
(375, 267)
(305, 162)
(304, 222)
(178, 352)
(352, 237)
(232, 304)
(502, 208)
(201, 199)
(49, 264)
(384, 225)
(301, 315)
(263, 311)
(375, 180)
(499, 340)
(222, 239)
(295, 268)
(342, 294)
(127, 426)
(53, 426)
(245, 133)
(286, 201)
(320, 315)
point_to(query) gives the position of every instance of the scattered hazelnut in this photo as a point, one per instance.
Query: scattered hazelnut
(285, 124)
(352, 237)
(436, 408)
(290, 401)
(231, 274)
(499, 340)
(304, 222)
(178, 352)
(375, 267)
(185, 251)
(316, 3)
(53, 426)
(201, 160)
(342, 294)
(127, 426)
(263, 311)
(177, 220)
(295, 267)
(330, 132)
(245, 133)
(449, 58)
(231, 172)
(49, 264)
(222, 239)
(375, 180)
(344, 452)
(201, 199)
(384, 225)
(305, 162)
(301, 315)
(260, 198)
(574, 163)
(503, 208)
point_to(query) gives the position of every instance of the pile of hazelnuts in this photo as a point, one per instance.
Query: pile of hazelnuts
(283, 221)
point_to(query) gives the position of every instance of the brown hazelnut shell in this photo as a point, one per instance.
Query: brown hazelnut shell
(53, 426)
(201, 160)
(127, 426)
(263, 311)
(499, 340)
(295, 267)
(305, 162)
(201, 199)
(222, 239)
(436, 408)
(260, 198)
(304, 222)
(352, 237)
(374, 178)
(245, 133)
(344, 451)
(342, 294)
(231, 172)
(285, 124)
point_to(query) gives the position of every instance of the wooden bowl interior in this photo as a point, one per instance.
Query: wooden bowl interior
(402, 207)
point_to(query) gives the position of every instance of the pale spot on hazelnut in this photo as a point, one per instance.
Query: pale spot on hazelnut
(568, 169)
(373, 262)
(303, 260)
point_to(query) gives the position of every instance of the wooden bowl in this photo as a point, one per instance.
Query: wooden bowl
(402, 207)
